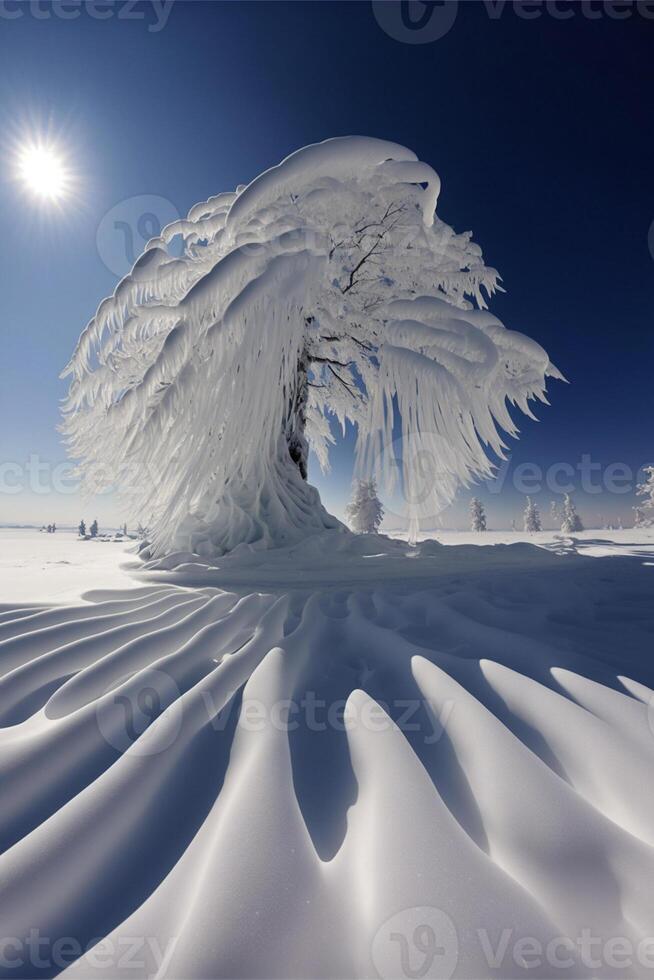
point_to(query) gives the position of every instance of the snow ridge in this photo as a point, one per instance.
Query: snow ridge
(151, 786)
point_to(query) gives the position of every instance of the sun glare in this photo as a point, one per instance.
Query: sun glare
(42, 171)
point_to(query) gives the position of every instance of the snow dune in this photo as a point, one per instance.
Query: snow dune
(395, 762)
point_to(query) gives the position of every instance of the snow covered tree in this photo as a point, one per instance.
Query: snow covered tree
(365, 512)
(325, 290)
(82, 528)
(477, 515)
(531, 517)
(645, 513)
(640, 518)
(555, 513)
(94, 529)
(571, 519)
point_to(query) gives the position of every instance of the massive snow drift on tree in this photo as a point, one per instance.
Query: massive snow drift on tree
(327, 289)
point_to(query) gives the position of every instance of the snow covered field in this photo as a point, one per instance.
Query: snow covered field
(36, 566)
(348, 758)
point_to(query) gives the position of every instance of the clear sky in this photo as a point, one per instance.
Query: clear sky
(538, 118)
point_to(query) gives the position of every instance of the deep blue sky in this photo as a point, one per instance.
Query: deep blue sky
(541, 130)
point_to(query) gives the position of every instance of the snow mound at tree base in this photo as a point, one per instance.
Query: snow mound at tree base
(338, 557)
(432, 774)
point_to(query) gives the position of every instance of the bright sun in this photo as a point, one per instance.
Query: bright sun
(42, 171)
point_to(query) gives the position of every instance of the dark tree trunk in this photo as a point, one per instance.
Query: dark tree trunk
(298, 447)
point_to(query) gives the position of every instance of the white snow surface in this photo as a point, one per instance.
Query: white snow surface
(493, 772)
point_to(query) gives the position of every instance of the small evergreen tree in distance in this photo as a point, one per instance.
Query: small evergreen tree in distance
(477, 515)
(82, 529)
(645, 513)
(94, 528)
(640, 518)
(532, 517)
(365, 511)
(571, 519)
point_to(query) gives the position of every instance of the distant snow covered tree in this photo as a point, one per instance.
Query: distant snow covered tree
(646, 490)
(325, 290)
(94, 529)
(555, 513)
(641, 519)
(532, 517)
(571, 519)
(477, 515)
(82, 528)
(365, 512)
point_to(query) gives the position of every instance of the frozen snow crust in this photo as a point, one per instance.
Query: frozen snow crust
(175, 767)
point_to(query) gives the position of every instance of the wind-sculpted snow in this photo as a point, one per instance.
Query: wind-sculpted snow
(326, 290)
(373, 768)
